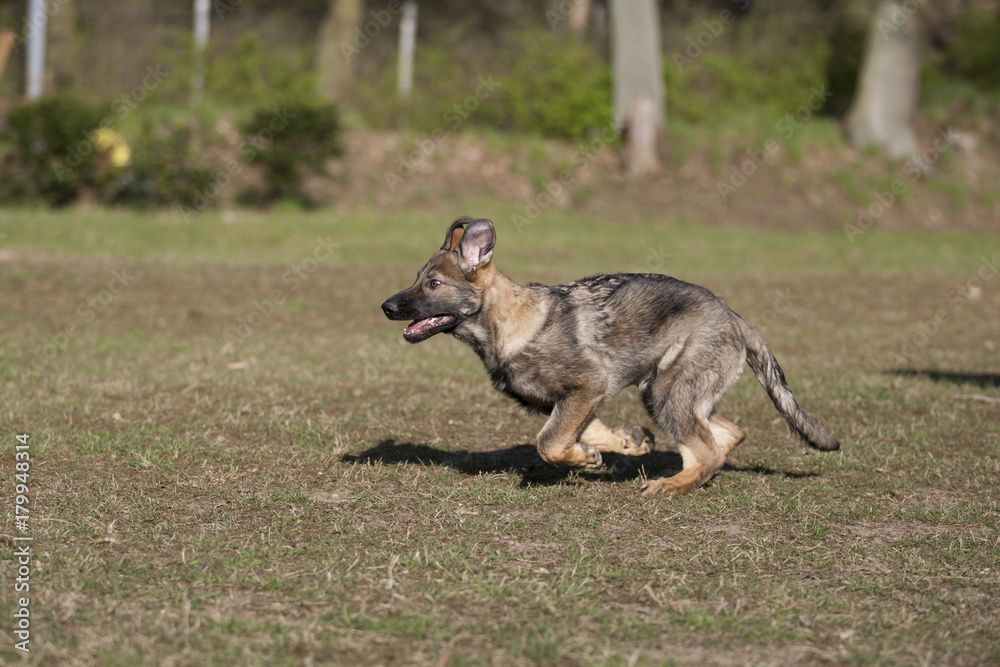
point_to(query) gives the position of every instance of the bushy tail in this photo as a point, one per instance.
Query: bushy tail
(769, 374)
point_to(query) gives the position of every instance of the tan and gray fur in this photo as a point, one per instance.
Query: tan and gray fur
(565, 349)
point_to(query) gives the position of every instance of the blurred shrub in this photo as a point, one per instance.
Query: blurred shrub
(545, 84)
(745, 66)
(248, 72)
(556, 87)
(252, 73)
(52, 155)
(288, 142)
(976, 50)
(63, 148)
(168, 167)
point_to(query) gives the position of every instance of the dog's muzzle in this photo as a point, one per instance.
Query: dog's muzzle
(421, 328)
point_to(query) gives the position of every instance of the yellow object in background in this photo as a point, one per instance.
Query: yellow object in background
(112, 145)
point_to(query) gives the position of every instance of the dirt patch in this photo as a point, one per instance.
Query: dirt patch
(825, 188)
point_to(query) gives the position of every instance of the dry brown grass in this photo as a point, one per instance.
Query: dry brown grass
(318, 493)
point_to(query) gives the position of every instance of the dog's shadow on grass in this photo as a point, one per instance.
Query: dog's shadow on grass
(982, 380)
(525, 461)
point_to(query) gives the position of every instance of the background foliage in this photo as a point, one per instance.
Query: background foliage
(742, 73)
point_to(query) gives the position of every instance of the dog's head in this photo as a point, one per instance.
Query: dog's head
(449, 287)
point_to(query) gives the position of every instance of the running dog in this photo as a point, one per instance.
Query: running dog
(565, 349)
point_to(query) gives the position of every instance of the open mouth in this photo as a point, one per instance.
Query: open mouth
(423, 329)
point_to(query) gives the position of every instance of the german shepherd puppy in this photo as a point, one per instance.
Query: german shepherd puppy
(563, 350)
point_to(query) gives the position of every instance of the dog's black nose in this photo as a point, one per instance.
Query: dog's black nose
(389, 308)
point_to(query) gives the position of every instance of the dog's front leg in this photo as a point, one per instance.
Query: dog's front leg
(559, 439)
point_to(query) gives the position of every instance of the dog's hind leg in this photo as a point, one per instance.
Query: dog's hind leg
(682, 399)
(634, 442)
(727, 434)
(703, 454)
(703, 457)
(559, 439)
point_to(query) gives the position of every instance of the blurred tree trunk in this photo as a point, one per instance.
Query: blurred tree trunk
(579, 16)
(6, 45)
(885, 102)
(407, 45)
(638, 82)
(64, 47)
(340, 41)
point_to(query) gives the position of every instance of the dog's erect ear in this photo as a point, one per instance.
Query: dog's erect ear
(455, 232)
(475, 248)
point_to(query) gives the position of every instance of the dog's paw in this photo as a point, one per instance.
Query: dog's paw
(640, 441)
(677, 485)
(577, 455)
(593, 459)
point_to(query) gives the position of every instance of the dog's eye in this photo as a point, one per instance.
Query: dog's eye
(434, 282)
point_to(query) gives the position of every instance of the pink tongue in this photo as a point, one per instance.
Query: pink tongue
(423, 325)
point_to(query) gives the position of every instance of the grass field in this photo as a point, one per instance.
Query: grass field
(235, 460)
